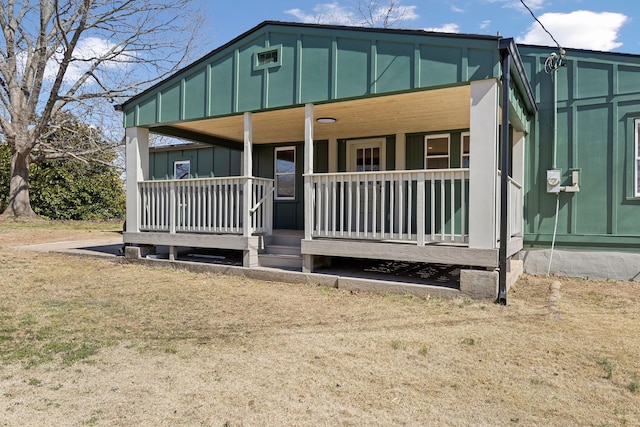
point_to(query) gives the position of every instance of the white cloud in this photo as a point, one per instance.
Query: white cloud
(517, 4)
(87, 51)
(485, 24)
(581, 29)
(407, 13)
(334, 13)
(446, 28)
(326, 13)
(457, 9)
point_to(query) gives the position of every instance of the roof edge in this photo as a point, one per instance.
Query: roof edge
(511, 48)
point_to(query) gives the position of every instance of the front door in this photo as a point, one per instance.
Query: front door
(366, 155)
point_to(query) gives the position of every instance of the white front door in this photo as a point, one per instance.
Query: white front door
(367, 155)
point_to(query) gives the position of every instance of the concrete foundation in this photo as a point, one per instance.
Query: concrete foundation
(588, 264)
(136, 252)
(311, 263)
(481, 284)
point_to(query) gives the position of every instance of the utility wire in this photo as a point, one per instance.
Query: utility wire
(538, 21)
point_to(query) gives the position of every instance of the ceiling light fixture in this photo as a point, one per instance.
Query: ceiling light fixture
(325, 120)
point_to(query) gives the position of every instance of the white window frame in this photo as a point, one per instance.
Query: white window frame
(462, 153)
(178, 163)
(636, 166)
(276, 173)
(437, 156)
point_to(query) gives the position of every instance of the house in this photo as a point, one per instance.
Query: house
(388, 145)
(598, 114)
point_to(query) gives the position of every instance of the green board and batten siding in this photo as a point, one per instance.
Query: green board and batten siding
(205, 162)
(317, 64)
(598, 100)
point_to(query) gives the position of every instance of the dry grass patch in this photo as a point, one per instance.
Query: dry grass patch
(96, 342)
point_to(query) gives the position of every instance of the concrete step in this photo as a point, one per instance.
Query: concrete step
(283, 261)
(284, 239)
(283, 250)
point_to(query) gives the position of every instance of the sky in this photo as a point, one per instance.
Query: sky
(582, 24)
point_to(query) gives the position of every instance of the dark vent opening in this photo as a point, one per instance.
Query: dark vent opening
(269, 57)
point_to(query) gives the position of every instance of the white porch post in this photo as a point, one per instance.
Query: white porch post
(137, 164)
(250, 254)
(308, 195)
(308, 170)
(483, 170)
(247, 169)
(518, 156)
(518, 165)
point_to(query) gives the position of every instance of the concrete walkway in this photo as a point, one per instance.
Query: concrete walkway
(106, 247)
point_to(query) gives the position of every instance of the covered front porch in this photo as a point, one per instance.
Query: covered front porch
(355, 207)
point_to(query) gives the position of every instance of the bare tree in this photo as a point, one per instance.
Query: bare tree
(68, 55)
(384, 15)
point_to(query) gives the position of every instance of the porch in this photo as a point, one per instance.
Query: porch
(418, 216)
(425, 215)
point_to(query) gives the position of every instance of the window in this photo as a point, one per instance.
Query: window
(366, 155)
(437, 152)
(182, 169)
(268, 58)
(464, 150)
(637, 159)
(285, 173)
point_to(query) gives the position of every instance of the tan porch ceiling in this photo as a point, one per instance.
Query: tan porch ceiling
(425, 111)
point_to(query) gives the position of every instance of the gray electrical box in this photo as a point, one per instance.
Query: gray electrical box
(553, 180)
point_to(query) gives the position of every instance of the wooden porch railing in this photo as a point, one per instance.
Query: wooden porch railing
(209, 205)
(516, 204)
(420, 206)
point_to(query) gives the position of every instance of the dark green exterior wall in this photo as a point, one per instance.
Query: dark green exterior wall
(289, 214)
(317, 64)
(598, 99)
(206, 162)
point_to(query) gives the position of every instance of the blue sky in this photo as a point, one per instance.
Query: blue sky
(586, 24)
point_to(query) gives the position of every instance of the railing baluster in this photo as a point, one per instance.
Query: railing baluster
(443, 221)
(153, 207)
(392, 208)
(410, 180)
(343, 194)
(239, 207)
(420, 210)
(228, 206)
(318, 192)
(383, 216)
(452, 198)
(400, 207)
(333, 205)
(463, 205)
(326, 206)
(432, 179)
(358, 205)
(374, 216)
